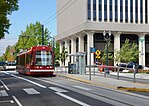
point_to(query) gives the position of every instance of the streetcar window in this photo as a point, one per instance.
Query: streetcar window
(43, 58)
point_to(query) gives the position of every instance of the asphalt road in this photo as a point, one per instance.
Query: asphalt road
(20, 90)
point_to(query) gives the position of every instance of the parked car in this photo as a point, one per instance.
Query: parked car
(10, 65)
(2, 65)
(129, 65)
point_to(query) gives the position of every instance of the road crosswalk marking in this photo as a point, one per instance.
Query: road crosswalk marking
(83, 88)
(31, 91)
(3, 93)
(58, 89)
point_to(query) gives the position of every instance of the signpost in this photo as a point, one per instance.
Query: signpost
(92, 50)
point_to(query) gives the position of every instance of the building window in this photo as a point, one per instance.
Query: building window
(131, 11)
(121, 10)
(136, 11)
(126, 11)
(105, 10)
(141, 11)
(146, 11)
(100, 10)
(116, 11)
(89, 9)
(94, 10)
(77, 45)
(111, 17)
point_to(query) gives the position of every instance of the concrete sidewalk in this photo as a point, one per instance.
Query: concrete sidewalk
(108, 82)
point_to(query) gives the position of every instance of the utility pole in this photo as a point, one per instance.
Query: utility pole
(42, 34)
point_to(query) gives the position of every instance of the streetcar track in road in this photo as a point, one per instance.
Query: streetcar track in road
(4, 85)
(116, 91)
(89, 92)
(17, 101)
(35, 83)
(80, 91)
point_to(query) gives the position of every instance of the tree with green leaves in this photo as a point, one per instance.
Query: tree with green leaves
(129, 52)
(9, 54)
(63, 55)
(6, 8)
(104, 54)
(32, 37)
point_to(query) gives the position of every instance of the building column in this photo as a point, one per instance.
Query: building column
(91, 10)
(67, 49)
(116, 43)
(118, 10)
(134, 11)
(61, 47)
(81, 43)
(143, 11)
(124, 11)
(90, 44)
(142, 49)
(128, 11)
(102, 10)
(73, 48)
(97, 10)
(113, 10)
(138, 11)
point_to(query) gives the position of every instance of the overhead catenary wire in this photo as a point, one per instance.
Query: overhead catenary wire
(60, 11)
(57, 11)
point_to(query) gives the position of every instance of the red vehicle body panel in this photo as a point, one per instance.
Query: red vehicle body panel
(26, 62)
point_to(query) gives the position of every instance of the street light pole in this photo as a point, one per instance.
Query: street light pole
(107, 39)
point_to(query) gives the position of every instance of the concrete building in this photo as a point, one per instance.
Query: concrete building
(81, 23)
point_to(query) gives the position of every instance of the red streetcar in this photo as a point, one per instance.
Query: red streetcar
(39, 60)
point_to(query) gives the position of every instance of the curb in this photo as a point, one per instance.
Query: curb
(75, 78)
(133, 89)
(103, 85)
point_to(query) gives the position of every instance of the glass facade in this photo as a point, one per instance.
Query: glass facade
(105, 10)
(141, 11)
(111, 15)
(121, 10)
(130, 7)
(136, 11)
(126, 11)
(100, 10)
(146, 11)
(116, 11)
(89, 9)
(94, 10)
(131, 11)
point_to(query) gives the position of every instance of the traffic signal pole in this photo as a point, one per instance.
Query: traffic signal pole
(42, 34)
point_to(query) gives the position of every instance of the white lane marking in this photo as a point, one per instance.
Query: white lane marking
(83, 88)
(3, 93)
(4, 85)
(72, 99)
(5, 101)
(42, 86)
(31, 91)
(58, 89)
(17, 101)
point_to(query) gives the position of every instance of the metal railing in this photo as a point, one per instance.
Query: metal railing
(101, 70)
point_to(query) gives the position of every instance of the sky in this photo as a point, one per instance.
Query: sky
(30, 11)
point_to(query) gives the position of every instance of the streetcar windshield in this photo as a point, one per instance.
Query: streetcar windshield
(44, 58)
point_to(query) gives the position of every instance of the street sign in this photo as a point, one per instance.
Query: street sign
(92, 49)
(98, 52)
